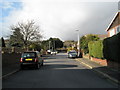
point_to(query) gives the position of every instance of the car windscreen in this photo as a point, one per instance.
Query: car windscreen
(29, 54)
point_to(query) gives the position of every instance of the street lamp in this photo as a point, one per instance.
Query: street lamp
(78, 44)
(49, 44)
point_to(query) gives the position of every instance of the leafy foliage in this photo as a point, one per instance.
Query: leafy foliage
(96, 49)
(35, 46)
(54, 43)
(69, 43)
(16, 39)
(84, 40)
(26, 32)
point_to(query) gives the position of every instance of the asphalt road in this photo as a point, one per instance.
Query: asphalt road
(58, 72)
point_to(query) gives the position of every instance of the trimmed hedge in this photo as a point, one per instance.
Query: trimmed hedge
(111, 50)
(96, 49)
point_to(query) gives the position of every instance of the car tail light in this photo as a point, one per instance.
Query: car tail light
(21, 60)
(36, 59)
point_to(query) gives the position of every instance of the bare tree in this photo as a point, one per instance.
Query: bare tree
(29, 31)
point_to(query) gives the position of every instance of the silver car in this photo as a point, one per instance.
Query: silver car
(72, 54)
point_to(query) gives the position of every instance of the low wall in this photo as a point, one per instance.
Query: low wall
(104, 62)
(10, 62)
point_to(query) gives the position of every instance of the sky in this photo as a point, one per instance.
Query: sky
(59, 18)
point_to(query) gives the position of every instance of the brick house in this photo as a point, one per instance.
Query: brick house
(114, 26)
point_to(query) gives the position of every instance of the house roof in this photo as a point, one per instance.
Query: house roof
(112, 21)
(102, 36)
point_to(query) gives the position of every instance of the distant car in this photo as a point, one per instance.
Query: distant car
(49, 51)
(72, 54)
(32, 58)
(54, 52)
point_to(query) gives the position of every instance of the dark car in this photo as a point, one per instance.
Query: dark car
(31, 59)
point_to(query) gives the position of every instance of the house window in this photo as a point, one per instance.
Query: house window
(112, 32)
(118, 29)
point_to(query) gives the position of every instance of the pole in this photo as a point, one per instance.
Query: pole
(78, 44)
(54, 45)
(49, 45)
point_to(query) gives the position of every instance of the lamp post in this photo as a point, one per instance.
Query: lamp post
(78, 44)
(49, 44)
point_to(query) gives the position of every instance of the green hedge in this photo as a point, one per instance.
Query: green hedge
(111, 50)
(96, 49)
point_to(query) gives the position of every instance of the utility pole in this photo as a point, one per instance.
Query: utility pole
(78, 44)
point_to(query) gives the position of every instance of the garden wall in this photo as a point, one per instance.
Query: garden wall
(10, 62)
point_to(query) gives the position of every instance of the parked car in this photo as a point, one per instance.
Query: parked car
(72, 54)
(54, 52)
(49, 51)
(32, 58)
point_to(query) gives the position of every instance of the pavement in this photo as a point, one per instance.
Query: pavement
(109, 73)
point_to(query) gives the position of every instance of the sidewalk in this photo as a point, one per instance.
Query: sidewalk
(109, 73)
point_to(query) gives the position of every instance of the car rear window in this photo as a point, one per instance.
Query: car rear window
(28, 54)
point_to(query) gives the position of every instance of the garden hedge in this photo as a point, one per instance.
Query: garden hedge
(96, 49)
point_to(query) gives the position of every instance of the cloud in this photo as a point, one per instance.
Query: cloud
(60, 18)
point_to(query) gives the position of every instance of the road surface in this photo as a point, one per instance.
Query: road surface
(58, 72)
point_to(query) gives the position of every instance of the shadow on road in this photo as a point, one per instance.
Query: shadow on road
(54, 66)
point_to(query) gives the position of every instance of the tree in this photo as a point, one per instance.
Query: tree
(2, 42)
(35, 46)
(56, 43)
(29, 32)
(16, 38)
(45, 44)
(69, 43)
(84, 40)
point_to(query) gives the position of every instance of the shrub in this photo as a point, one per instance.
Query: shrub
(96, 49)
(85, 40)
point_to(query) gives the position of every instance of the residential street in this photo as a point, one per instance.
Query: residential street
(58, 72)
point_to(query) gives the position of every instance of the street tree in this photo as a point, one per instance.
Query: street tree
(35, 46)
(16, 39)
(56, 43)
(29, 32)
(53, 42)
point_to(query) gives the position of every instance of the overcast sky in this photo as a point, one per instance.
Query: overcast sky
(59, 18)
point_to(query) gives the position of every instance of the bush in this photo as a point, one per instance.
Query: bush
(111, 48)
(85, 40)
(96, 49)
